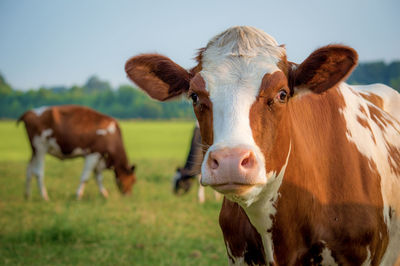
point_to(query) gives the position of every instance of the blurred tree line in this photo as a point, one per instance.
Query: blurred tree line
(124, 102)
(128, 102)
(377, 72)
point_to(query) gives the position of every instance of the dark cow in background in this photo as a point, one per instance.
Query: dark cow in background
(184, 177)
(309, 165)
(75, 131)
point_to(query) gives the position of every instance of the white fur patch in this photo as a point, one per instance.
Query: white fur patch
(368, 259)
(263, 209)
(39, 111)
(327, 258)
(53, 148)
(40, 142)
(78, 152)
(390, 97)
(236, 260)
(374, 146)
(109, 130)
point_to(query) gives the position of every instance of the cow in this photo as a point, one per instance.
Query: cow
(309, 166)
(71, 131)
(183, 178)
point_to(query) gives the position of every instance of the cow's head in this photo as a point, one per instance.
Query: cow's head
(182, 181)
(125, 178)
(242, 89)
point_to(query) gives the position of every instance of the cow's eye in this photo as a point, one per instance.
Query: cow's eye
(282, 94)
(195, 98)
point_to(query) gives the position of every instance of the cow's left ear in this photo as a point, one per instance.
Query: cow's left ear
(324, 68)
(158, 76)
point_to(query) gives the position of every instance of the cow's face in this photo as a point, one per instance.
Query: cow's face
(125, 179)
(241, 92)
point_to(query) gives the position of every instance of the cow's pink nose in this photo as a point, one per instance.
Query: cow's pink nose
(235, 164)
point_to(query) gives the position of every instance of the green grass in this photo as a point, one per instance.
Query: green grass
(150, 227)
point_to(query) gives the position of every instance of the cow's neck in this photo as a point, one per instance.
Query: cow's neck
(118, 160)
(261, 213)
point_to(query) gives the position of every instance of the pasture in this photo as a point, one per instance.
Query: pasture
(150, 227)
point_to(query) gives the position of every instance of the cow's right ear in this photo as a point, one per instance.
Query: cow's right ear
(158, 76)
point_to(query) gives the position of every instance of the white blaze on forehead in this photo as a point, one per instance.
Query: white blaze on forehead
(233, 65)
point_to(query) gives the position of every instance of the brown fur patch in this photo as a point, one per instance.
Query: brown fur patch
(373, 98)
(379, 118)
(334, 198)
(240, 235)
(394, 159)
(363, 122)
(330, 195)
(203, 110)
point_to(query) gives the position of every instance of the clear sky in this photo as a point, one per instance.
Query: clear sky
(55, 42)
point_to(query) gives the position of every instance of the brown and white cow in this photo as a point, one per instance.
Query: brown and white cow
(71, 131)
(309, 166)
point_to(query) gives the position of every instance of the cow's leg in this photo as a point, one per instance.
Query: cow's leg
(99, 177)
(200, 192)
(91, 161)
(37, 168)
(29, 174)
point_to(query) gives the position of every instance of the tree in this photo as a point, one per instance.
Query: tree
(5, 89)
(94, 84)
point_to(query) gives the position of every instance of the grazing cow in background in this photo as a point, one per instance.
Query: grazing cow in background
(183, 179)
(75, 131)
(309, 166)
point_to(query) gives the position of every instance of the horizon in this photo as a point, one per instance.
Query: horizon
(50, 44)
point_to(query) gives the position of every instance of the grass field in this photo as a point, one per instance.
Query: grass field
(150, 227)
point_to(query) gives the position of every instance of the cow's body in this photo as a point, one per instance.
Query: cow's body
(184, 177)
(336, 220)
(309, 166)
(73, 131)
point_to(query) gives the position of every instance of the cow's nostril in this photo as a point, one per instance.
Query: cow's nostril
(248, 160)
(214, 164)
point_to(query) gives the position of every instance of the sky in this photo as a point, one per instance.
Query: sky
(62, 43)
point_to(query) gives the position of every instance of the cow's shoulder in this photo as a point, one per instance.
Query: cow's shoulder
(382, 96)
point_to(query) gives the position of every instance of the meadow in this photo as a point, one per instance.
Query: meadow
(152, 226)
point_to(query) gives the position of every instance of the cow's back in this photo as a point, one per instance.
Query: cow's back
(382, 96)
(76, 126)
(73, 127)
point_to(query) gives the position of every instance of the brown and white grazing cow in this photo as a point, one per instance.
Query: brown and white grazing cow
(71, 131)
(184, 177)
(309, 166)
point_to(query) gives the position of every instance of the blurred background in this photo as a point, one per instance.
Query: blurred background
(74, 52)
(56, 52)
